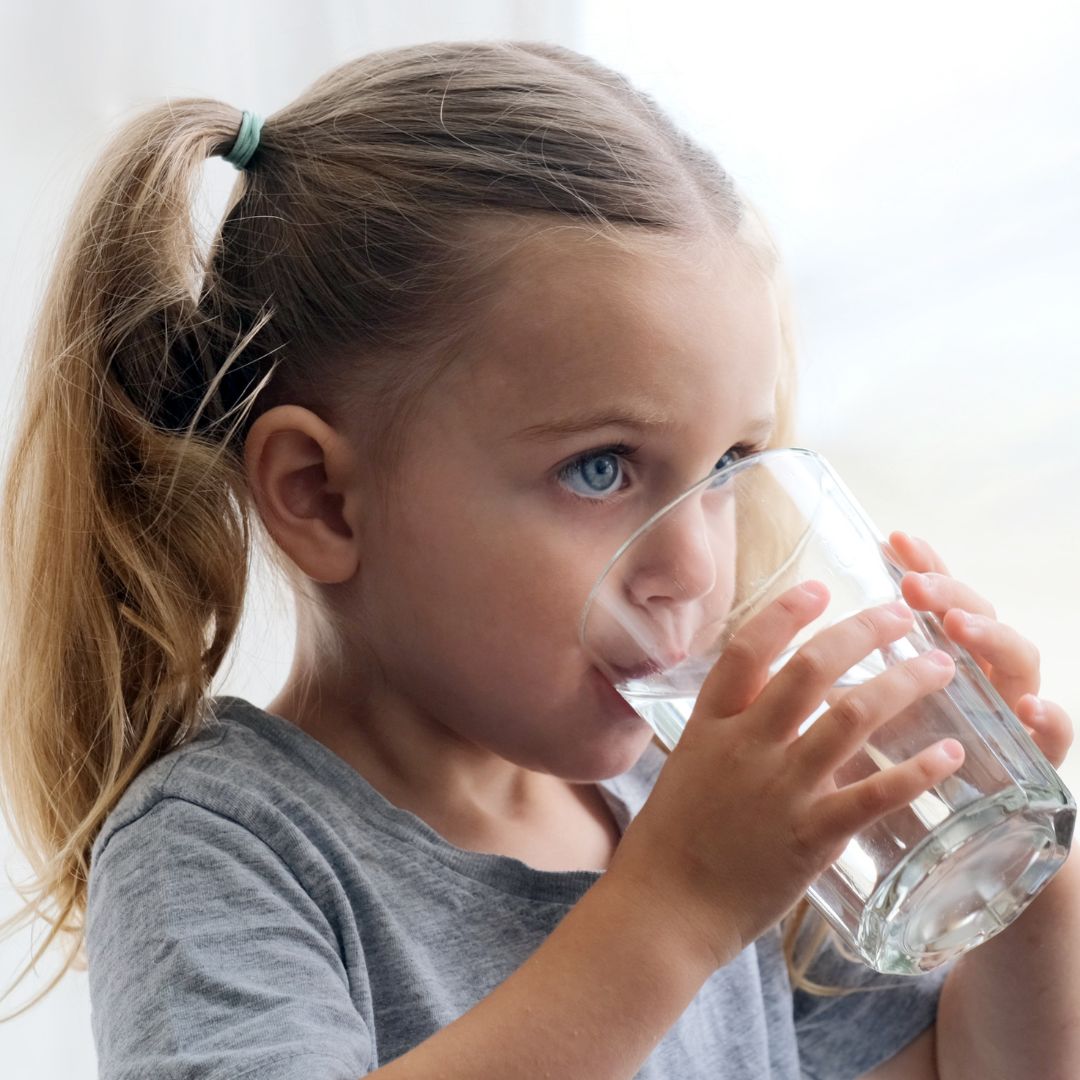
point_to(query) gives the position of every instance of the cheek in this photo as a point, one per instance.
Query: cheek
(481, 630)
(532, 558)
(487, 587)
(497, 580)
(532, 599)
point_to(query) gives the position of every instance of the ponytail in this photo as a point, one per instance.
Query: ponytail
(123, 552)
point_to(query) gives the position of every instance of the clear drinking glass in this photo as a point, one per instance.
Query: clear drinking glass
(925, 883)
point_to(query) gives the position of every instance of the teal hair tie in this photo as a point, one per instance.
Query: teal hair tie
(247, 138)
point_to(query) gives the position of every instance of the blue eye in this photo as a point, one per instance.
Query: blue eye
(598, 469)
(722, 464)
(741, 451)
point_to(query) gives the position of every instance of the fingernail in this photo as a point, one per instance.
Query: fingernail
(951, 750)
(939, 657)
(898, 608)
(814, 589)
(1036, 711)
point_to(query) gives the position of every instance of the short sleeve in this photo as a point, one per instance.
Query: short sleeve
(843, 1037)
(209, 961)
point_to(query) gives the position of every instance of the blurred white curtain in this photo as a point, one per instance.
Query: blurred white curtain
(919, 166)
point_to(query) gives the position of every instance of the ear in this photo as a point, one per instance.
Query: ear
(303, 477)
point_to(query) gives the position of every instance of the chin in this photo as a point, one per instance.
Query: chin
(612, 759)
(612, 735)
(588, 734)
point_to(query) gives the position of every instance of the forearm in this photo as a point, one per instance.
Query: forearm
(592, 1001)
(1011, 1007)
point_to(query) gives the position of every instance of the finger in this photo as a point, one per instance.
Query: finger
(738, 676)
(840, 815)
(931, 591)
(1014, 661)
(954, 624)
(917, 554)
(1049, 725)
(802, 683)
(837, 734)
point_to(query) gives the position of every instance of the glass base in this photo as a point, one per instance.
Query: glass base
(965, 882)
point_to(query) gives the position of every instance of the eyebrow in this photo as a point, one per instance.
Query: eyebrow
(638, 418)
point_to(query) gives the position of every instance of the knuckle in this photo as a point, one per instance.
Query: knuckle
(805, 841)
(789, 605)
(922, 774)
(915, 674)
(852, 713)
(742, 652)
(872, 797)
(810, 664)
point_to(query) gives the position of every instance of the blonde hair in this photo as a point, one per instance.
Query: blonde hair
(343, 278)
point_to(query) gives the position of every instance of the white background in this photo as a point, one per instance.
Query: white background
(918, 164)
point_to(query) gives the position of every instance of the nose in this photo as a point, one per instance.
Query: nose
(674, 560)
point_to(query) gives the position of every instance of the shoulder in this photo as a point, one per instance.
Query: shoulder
(211, 912)
(236, 766)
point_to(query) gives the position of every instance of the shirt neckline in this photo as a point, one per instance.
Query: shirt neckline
(503, 872)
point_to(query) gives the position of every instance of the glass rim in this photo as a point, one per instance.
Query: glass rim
(728, 471)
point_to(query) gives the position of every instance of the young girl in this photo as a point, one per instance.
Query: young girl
(474, 310)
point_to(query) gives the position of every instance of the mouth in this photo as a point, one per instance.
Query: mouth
(645, 668)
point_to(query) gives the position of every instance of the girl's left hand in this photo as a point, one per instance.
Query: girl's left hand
(1009, 661)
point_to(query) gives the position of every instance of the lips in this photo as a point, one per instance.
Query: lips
(638, 671)
(644, 668)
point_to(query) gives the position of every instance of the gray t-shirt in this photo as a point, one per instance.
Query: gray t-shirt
(258, 909)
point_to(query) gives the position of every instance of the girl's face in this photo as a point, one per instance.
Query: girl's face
(600, 385)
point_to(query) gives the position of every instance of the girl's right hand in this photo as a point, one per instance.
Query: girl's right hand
(746, 814)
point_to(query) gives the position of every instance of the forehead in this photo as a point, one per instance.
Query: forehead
(578, 320)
